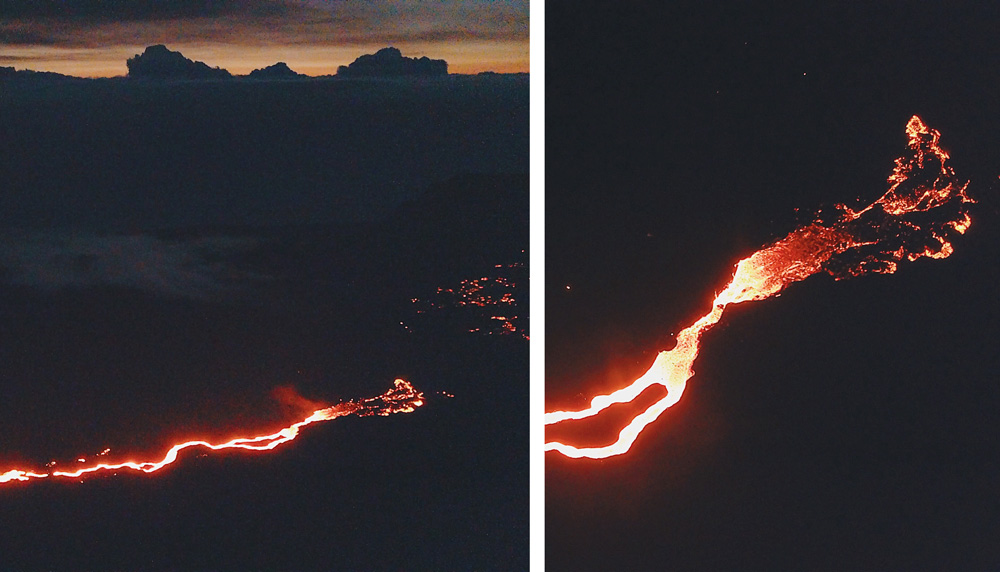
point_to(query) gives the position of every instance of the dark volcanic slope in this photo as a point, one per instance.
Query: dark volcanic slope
(124, 154)
(326, 207)
(444, 487)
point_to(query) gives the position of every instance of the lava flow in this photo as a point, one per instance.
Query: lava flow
(402, 398)
(925, 204)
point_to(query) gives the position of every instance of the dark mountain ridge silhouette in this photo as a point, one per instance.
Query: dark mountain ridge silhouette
(11, 73)
(159, 62)
(390, 62)
(279, 70)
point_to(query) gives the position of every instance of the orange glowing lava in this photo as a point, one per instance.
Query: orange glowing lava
(402, 398)
(894, 228)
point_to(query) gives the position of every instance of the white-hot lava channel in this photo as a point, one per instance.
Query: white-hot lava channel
(402, 398)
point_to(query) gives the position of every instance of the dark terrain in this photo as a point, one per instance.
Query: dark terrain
(260, 234)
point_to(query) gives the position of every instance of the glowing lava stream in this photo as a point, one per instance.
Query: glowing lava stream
(402, 398)
(895, 227)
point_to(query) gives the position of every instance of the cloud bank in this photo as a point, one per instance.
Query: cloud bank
(198, 269)
(98, 23)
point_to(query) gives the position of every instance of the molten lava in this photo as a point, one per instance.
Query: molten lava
(402, 398)
(925, 204)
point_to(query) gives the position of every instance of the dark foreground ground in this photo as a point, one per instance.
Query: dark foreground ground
(442, 487)
(134, 318)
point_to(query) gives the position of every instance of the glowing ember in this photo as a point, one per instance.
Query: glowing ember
(402, 398)
(894, 228)
(486, 305)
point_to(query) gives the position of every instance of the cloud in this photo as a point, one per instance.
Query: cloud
(99, 23)
(365, 21)
(31, 54)
(82, 11)
(23, 33)
(200, 269)
(9, 59)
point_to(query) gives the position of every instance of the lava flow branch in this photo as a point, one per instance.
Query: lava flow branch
(925, 205)
(402, 398)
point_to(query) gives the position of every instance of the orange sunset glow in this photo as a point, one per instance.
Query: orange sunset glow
(470, 58)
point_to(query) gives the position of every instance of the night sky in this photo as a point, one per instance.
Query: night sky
(843, 425)
(93, 38)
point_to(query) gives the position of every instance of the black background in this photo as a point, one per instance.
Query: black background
(842, 425)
